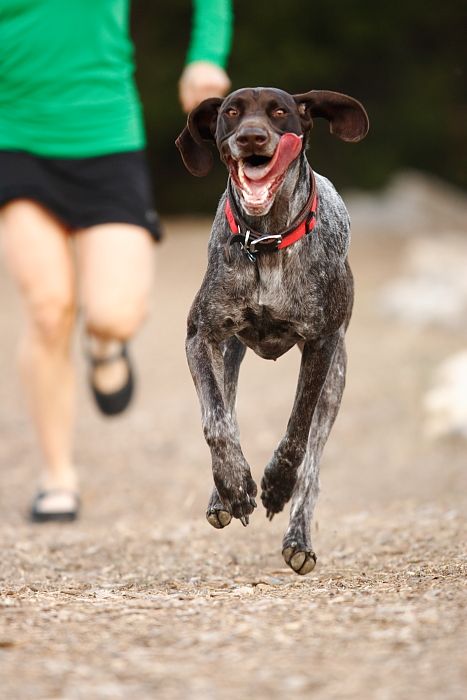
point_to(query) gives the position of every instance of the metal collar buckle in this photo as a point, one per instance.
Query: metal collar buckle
(249, 245)
(268, 238)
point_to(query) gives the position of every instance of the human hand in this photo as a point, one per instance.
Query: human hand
(200, 80)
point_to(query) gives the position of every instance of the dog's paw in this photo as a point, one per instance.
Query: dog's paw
(277, 489)
(216, 514)
(236, 496)
(218, 517)
(300, 558)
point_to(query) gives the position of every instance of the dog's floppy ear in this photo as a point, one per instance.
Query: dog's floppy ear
(193, 142)
(346, 116)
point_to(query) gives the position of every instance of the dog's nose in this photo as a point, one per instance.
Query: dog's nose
(252, 137)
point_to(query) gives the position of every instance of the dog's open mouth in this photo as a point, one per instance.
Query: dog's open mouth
(258, 177)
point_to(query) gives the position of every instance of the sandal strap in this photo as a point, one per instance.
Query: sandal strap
(101, 361)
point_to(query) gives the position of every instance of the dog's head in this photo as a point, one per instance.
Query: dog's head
(260, 132)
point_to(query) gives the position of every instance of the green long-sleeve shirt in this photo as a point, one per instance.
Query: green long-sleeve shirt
(66, 73)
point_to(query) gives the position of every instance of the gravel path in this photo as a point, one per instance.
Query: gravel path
(142, 599)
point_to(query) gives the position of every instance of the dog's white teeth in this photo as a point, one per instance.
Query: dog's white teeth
(243, 180)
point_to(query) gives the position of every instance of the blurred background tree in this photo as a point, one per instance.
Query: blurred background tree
(405, 62)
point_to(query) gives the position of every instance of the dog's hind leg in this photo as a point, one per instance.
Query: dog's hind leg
(296, 547)
(233, 352)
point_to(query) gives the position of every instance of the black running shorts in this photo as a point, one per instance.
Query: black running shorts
(83, 192)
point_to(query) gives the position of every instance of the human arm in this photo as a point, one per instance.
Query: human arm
(204, 74)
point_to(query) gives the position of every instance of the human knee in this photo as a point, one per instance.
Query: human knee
(52, 320)
(118, 321)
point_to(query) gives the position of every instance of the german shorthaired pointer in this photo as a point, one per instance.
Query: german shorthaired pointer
(277, 276)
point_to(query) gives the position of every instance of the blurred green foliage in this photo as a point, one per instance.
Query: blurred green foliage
(405, 61)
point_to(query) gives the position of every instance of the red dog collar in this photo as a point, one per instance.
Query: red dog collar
(254, 242)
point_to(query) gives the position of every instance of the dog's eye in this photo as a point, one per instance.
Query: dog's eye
(231, 112)
(279, 112)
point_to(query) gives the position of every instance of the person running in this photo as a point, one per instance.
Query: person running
(73, 168)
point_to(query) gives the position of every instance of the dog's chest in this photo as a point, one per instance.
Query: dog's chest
(273, 316)
(268, 336)
(270, 289)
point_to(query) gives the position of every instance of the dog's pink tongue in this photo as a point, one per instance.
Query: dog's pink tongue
(287, 150)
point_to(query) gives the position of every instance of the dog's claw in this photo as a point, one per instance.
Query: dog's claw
(237, 496)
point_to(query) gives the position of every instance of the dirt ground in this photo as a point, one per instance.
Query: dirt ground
(143, 599)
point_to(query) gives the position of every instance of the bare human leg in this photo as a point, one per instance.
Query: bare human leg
(37, 252)
(116, 267)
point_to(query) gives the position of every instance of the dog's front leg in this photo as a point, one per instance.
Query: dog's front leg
(231, 472)
(280, 474)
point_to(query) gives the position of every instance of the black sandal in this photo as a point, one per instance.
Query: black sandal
(116, 402)
(37, 515)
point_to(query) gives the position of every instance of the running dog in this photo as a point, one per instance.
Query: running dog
(277, 276)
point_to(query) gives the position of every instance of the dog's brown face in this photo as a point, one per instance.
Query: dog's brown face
(260, 132)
